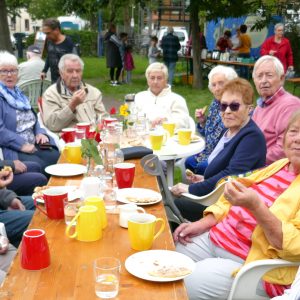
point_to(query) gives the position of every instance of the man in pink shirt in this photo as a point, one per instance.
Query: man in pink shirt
(275, 105)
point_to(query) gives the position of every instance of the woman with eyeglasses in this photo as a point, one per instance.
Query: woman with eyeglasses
(241, 148)
(21, 137)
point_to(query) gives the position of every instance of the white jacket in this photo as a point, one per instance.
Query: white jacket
(166, 104)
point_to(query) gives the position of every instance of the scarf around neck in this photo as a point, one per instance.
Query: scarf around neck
(14, 97)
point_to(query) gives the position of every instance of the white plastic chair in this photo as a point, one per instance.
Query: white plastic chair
(33, 89)
(192, 124)
(246, 281)
(1, 154)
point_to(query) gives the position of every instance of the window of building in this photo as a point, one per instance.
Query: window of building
(26, 25)
(13, 23)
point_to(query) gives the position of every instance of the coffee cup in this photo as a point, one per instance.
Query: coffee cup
(35, 254)
(54, 202)
(88, 225)
(84, 126)
(73, 153)
(141, 230)
(184, 136)
(124, 174)
(68, 135)
(90, 186)
(125, 211)
(99, 203)
(170, 127)
(158, 138)
(109, 120)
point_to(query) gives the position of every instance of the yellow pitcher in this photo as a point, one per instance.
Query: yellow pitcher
(88, 225)
(73, 153)
(99, 203)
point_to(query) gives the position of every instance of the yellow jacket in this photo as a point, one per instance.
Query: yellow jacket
(286, 208)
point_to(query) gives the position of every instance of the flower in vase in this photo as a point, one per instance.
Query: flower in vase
(113, 111)
(124, 111)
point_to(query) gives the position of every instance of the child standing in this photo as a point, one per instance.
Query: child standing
(128, 63)
(153, 52)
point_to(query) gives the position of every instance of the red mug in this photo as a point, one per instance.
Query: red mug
(54, 202)
(68, 135)
(109, 120)
(84, 126)
(124, 174)
(35, 254)
(80, 134)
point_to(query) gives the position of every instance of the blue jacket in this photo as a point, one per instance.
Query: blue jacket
(10, 141)
(244, 152)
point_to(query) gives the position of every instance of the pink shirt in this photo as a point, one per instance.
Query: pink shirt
(272, 119)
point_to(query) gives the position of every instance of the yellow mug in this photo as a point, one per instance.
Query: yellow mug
(141, 230)
(184, 136)
(157, 139)
(88, 225)
(73, 153)
(170, 127)
(99, 203)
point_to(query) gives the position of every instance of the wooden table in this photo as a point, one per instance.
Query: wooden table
(295, 81)
(70, 275)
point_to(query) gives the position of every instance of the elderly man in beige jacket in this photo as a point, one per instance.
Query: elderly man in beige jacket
(70, 100)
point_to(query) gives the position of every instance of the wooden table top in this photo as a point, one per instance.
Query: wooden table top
(237, 63)
(70, 275)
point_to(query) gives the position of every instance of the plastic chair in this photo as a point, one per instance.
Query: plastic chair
(152, 166)
(192, 124)
(246, 281)
(34, 89)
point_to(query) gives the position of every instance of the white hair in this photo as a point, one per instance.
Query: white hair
(276, 62)
(278, 25)
(157, 66)
(7, 59)
(228, 72)
(71, 57)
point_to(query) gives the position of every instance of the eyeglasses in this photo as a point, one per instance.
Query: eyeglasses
(6, 72)
(234, 106)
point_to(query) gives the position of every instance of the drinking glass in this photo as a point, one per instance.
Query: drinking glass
(107, 277)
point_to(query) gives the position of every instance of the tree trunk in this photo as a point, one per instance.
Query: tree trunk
(126, 18)
(5, 42)
(197, 65)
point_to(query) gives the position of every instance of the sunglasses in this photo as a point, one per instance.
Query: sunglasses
(234, 106)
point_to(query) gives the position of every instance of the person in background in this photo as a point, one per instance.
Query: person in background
(159, 103)
(257, 217)
(122, 49)
(70, 100)
(210, 127)
(170, 46)
(275, 105)
(235, 40)
(128, 63)
(32, 68)
(280, 47)
(57, 44)
(153, 52)
(113, 56)
(224, 42)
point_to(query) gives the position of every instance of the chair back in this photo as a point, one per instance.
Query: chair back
(34, 89)
(152, 166)
(192, 124)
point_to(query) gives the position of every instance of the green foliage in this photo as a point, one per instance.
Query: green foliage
(89, 150)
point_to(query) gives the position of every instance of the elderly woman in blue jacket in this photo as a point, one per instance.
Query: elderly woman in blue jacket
(241, 148)
(21, 137)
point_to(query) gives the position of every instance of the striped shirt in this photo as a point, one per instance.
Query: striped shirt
(234, 232)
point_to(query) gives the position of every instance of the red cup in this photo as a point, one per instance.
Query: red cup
(80, 134)
(109, 120)
(84, 126)
(68, 135)
(35, 254)
(124, 174)
(54, 202)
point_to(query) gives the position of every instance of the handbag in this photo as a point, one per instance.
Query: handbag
(135, 152)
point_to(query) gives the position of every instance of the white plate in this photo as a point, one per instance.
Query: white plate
(138, 193)
(194, 139)
(73, 193)
(141, 263)
(66, 169)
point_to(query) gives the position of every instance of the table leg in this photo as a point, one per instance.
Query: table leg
(170, 172)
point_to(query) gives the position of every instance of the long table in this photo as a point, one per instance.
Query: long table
(70, 275)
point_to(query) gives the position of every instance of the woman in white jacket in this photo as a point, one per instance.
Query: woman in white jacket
(159, 103)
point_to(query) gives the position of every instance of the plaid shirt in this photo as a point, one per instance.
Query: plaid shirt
(170, 45)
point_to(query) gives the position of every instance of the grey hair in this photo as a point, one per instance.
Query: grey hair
(279, 25)
(157, 66)
(69, 56)
(7, 59)
(277, 64)
(228, 72)
(170, 29)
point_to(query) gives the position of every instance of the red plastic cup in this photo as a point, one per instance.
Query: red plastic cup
(54, 202)
(109, 120)
(124, 174)
(80, 134)
(35, 254)
(68, 135)
(84, 126)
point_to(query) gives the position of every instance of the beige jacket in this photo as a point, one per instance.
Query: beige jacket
(57, 114)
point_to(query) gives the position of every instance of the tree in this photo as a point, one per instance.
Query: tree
(5, 43)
